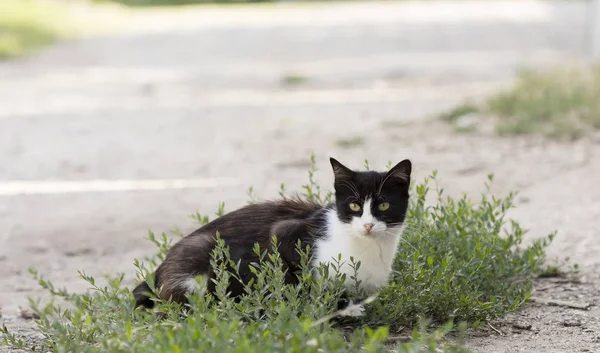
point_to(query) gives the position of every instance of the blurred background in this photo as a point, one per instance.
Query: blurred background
(117, 117)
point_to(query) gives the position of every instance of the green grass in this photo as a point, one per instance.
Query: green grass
(456, 115)
(293, 79)
(561, 104)
(28, 25)
(350, 142)
(459, 111)
(461, 262)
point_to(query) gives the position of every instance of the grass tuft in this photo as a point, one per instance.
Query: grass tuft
(350, 142)
(458, 112)
(561, 104)
(460, 261)
(293, 79)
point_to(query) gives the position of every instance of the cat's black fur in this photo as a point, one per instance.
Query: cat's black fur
(241, 229)
(289, 220)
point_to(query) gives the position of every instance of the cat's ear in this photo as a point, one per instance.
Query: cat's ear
(339, 170)
(401, 171)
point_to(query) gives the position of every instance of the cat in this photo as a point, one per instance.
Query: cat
(365, 222)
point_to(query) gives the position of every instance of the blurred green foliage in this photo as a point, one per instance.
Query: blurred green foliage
(27, 25)
(176, 2)
(561, 104)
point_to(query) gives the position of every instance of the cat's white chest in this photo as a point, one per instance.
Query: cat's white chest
(376, 254)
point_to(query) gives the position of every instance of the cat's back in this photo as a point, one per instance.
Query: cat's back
(260, 217)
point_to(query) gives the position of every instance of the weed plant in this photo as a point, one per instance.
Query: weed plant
(460, 263)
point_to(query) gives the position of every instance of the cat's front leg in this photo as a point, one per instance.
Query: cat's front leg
(347, 307)
(288, 233)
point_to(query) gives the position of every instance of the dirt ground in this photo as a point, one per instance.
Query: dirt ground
(557, 192)
(543, 328)
(205, 103)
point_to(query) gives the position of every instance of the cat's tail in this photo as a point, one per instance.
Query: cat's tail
(141, 294)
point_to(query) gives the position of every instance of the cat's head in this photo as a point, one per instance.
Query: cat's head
(372, 203)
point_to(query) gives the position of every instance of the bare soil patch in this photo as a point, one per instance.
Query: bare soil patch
(556, 193)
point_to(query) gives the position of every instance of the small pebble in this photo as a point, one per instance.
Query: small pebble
(28, 315)
(571, 323)
(522, 326)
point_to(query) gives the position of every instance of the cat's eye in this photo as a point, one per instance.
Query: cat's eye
(354, 207)
(384, 206)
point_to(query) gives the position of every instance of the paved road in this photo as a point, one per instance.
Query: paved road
(198, 96)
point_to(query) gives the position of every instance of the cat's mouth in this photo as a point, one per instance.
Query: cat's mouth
(371, 233)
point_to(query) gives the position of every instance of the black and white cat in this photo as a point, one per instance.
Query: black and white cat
(365, 223)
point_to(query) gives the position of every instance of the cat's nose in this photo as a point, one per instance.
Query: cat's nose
(368, 227)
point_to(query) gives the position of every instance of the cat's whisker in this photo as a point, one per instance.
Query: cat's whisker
(381, 255)
(352, 188)
(407, 243)
(364, 250)
(422, 232)
(382, 183)
(423, 235)
(395, 224)
(351, 198)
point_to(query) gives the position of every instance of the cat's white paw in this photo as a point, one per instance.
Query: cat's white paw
(354, 310)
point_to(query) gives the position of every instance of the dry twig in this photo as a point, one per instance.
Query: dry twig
(553, 302)
(495, 329)
(399, 339)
